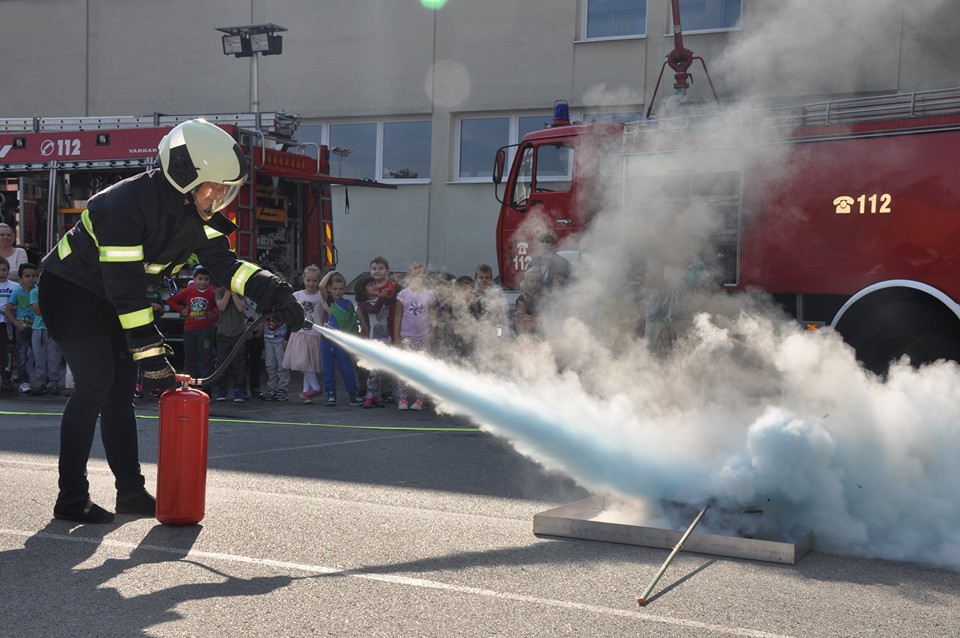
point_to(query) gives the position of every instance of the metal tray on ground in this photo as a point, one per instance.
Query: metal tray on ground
(589, 519)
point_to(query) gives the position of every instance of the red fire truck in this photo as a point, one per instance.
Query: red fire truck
(50, 167)
(846, 212)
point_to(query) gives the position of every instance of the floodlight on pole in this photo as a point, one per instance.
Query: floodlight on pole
(252, 41)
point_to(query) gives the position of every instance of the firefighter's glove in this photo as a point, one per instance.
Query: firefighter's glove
(158, 374)
(284, 307)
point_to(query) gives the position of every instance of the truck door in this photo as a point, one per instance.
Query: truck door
(540, 196)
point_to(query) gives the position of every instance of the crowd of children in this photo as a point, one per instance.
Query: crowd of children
(419, 313)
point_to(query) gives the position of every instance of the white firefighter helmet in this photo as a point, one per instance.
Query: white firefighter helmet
(196, 152)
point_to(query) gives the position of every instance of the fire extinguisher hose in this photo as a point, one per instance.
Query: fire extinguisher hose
(225, 361)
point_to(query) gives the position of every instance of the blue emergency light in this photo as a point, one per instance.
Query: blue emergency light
(561, 113)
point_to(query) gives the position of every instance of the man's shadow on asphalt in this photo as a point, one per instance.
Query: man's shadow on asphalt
(49, 591)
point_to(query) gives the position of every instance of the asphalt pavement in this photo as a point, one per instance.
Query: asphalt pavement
(350, 522)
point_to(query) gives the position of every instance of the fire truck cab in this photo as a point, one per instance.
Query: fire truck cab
(854, 224)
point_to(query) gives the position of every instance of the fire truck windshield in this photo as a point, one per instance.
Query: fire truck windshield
(544, 168)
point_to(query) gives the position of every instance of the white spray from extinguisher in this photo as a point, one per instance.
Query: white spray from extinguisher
(843, 460)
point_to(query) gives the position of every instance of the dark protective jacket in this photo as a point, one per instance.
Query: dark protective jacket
(140, 227)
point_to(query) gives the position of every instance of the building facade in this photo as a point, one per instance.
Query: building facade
(423, 92)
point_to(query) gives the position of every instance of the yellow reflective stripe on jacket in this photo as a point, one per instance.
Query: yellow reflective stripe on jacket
(242, 275)
(149, 352)
(85, 218)
(154, 269)
(111, 253)
(63, 247)
(212, 232)
(136, 318)
(121, 253)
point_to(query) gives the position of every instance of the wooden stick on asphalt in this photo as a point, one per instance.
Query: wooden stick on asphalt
(642, 599)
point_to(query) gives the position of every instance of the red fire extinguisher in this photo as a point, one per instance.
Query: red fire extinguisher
(182, 455)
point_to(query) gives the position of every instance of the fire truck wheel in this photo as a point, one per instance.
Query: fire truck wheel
(920, 331)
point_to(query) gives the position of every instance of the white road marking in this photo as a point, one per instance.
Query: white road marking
(405, 581)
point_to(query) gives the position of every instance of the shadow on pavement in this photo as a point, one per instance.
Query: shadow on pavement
(50, 591)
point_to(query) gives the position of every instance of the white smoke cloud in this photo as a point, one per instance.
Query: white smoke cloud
(812, 47)
(748, 410)
(824, 47)
(749, 413)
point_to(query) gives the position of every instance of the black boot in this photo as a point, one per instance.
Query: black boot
(88, 512)
(139, 502)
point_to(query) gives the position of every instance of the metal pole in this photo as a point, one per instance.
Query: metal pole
(53, 221)
(642, 599)
(255, 70)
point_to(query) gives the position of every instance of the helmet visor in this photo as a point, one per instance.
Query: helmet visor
(211, 197)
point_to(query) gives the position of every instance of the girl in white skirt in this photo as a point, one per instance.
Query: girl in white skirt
(303, 349)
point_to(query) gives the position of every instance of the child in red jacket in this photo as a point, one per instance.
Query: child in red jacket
(197, 303)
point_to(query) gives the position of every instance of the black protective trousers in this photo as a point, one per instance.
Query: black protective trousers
(105, 377)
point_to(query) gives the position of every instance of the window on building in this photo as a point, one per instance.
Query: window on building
(361, 141)
(308, 135)
(391, 150)
(480, 137)
(529, 123)
(616, 18)
(406, 150)
(709, 15)
(479, 140)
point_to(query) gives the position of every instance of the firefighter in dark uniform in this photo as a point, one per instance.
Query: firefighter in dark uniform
(93, 300)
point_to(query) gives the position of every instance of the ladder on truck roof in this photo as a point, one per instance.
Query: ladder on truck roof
(278, 124)
(253, 128)
(859, 110)
(874, 108)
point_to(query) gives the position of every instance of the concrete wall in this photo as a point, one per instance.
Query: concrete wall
(374, 59)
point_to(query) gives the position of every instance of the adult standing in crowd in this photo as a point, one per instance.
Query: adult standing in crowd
(94, 303)
(13, 254)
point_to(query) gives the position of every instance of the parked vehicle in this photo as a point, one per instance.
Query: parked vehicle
(855, 223)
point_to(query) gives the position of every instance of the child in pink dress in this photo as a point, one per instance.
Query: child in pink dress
(303, 348)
